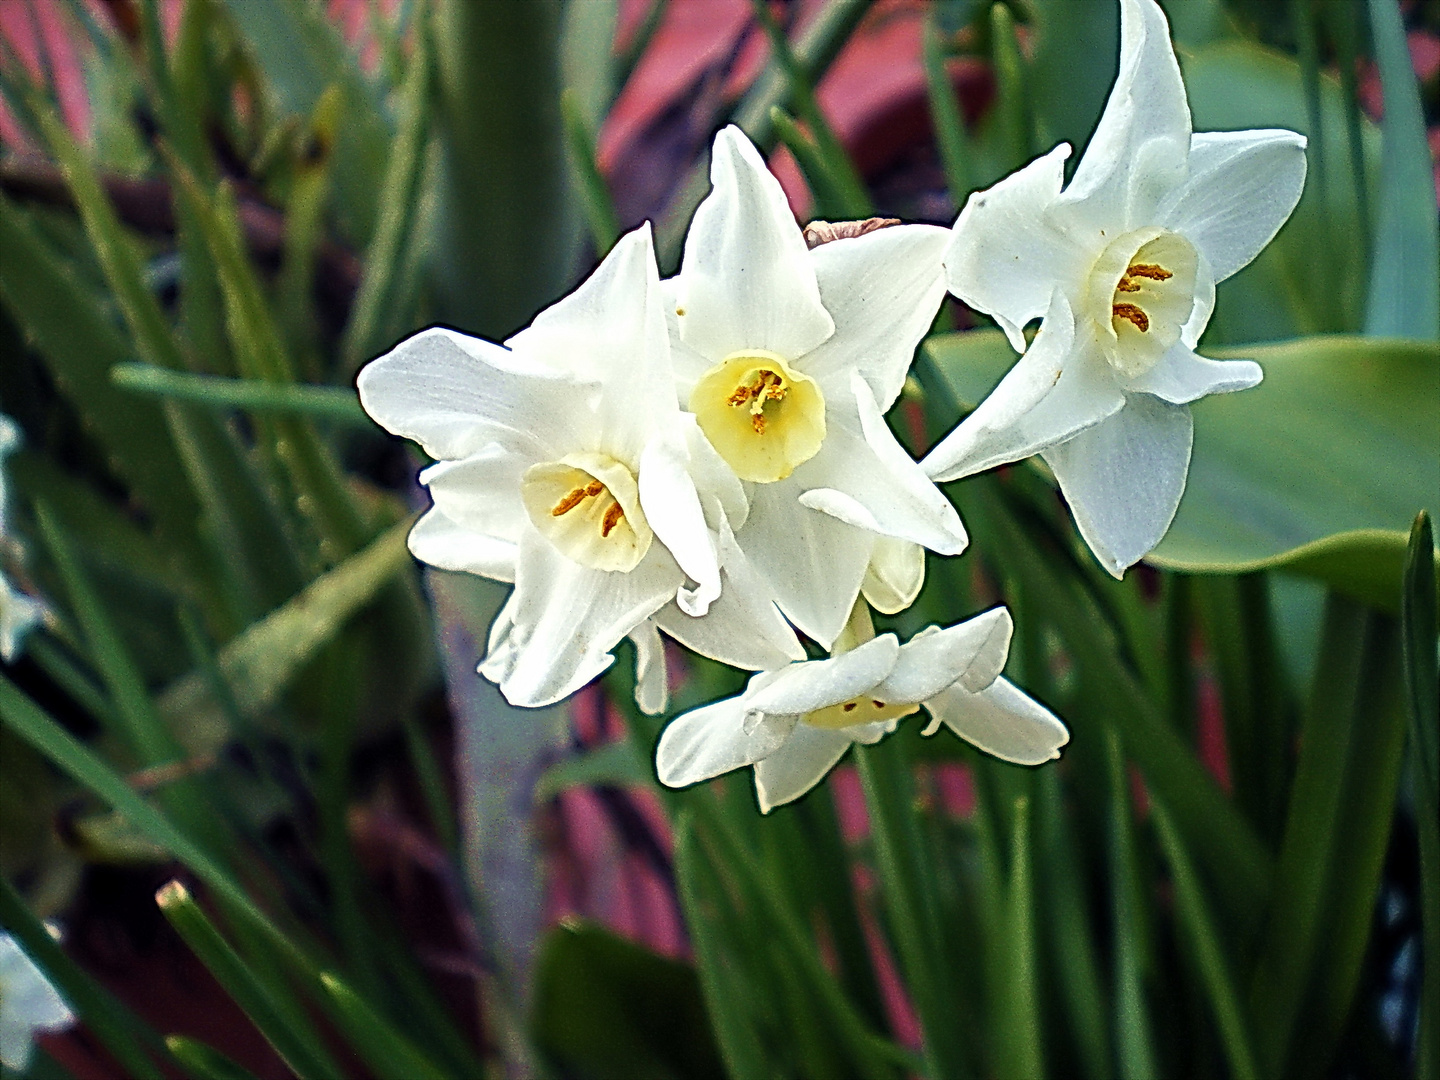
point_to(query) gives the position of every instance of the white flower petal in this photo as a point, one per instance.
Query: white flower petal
(1139, 149)
(441, 541)
(864, 461)
(746, 280)
(1242, 187)
(1181, 376)
(818, 684)
(1057, 388)
(712, 740)
(481, 493)
(672, 508)
(882, 289)
(870, 734)
(565, 618)
(1003, 721)
(797, 766)
(19, 614)
(28, 1003)
(895, 574)
(1005, 255)
(813, 562)
(970, 654)
(612, 331)
(652, 688)
(743, 628)
(453, 394)
(1204, 302)
(1123, 478)
(722, 496)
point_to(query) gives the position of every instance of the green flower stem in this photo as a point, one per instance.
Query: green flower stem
(253, 395)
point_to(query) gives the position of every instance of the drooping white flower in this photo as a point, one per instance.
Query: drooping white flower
(569, 477)
(795, 723)
(788, 358)
(1122, 265)
(28, 1003)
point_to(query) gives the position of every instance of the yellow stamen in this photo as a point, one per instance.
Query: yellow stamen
(1148, 270)
(576, 497)
(1133, 314)
(611, 519)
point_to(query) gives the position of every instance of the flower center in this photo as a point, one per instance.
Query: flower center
(1142, 291)
(763, 417)
(588, 506)
(861, 710)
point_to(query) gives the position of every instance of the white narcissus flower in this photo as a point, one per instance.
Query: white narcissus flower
(789, 358)
(28, 1003)
(795, 723)
(1122, 265)
(576, 487)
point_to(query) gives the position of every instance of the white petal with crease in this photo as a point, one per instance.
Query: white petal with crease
(440, 541)
(711, 740)
(1002, 720)
(1181, 376)
(971, 653)
(1123, 478)
(818, 684)
(797, 766)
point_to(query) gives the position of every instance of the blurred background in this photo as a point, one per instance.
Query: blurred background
(213, 212)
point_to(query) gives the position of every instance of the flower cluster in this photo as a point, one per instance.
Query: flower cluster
(707, 456)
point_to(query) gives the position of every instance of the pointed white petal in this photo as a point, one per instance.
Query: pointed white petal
(1005, 255)
(1057, 388)
(1123, 478)
(746, 280)
(894, 576)
(812, 562)
(1139, 150)
(862, 460)
(566, 618)
(1002, 720)
(1204, 302)
(481, 493)
(797, 766)
(870, 734)
(672, 507)
(882, 289)
(1181, 376)
(453, 394)
(711, 740)
(1242, 187)
(440, 541)
(818, 684)
(970, 654)
(743, 628)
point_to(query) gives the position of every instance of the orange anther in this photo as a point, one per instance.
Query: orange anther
(1127, 284)
(569, 502)
(1148, 270)
(757, 421)
(1133, 314)
(611, 519)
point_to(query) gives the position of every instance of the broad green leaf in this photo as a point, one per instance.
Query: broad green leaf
(613, 765)
(1314, 471)
(605, 1007)
(1405, 265)
(259, 663)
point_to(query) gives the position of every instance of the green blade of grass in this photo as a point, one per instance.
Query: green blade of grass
(253, 395)
(1288, 949)
(1134, 1034)
(1216, 968)
(595, 197)
(205, 1062)
(945, 117)
(298, 1045)
(386, 1051)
